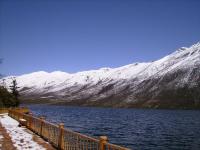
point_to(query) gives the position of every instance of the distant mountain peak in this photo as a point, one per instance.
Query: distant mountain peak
(196, 45)
(182, 49)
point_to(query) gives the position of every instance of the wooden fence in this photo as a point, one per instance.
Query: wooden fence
(61, 138)
(19, 109)
(3, 110)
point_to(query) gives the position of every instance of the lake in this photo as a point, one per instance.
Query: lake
(138, 129)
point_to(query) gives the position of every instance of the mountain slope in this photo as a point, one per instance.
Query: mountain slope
(173, 81)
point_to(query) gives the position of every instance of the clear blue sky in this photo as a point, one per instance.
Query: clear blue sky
(81, 35)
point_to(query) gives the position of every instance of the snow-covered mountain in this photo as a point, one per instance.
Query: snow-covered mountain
(172, 81)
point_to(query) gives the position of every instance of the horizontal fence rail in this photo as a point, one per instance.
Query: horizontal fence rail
(59, 137)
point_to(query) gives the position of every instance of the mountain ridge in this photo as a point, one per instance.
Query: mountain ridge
(156, 84)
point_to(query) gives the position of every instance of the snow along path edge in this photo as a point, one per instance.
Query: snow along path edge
(20, 138)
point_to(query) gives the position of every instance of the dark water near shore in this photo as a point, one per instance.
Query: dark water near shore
(138, 129)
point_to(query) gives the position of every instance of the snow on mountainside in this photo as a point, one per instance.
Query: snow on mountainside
(172, 81)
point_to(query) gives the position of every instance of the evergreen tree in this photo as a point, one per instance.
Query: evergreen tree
(14, 91)
(6, 98)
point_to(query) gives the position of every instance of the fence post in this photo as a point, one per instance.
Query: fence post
(30, 120)
(41, 126)
(13, 115)
(17, 115)
(61, 137)
(102, 142)
(9, 113)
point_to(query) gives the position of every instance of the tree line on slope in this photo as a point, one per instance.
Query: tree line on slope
(9, 99)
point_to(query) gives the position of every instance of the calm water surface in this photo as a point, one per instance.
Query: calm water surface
(138, 129)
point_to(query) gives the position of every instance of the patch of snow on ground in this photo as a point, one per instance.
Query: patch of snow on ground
(20, 138)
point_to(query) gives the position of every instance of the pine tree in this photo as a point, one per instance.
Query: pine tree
(6, 98)
(14, 91)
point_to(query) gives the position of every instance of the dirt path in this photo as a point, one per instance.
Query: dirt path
(41, 141)
(5, 140)
(10, 141)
